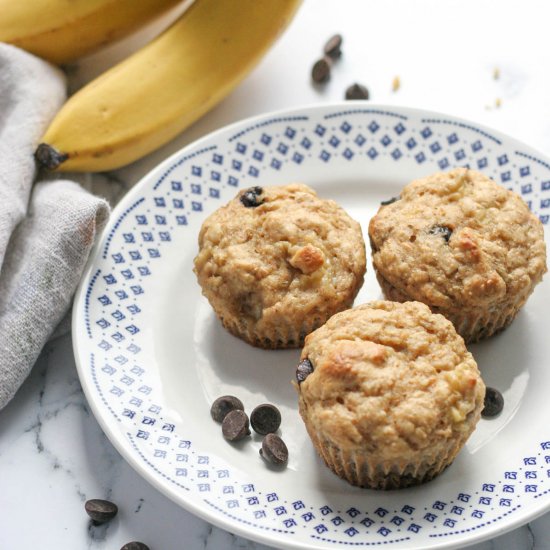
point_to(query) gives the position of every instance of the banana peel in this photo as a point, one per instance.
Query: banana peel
(146, 100)
(61, 31)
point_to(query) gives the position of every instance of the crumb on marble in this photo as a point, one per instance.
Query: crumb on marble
(396, 83)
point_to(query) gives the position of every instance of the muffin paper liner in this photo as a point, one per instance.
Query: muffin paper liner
(472, 325)
(365, 470)
(286, 335)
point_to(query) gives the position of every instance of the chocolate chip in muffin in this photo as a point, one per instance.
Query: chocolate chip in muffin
(265, 419)
(235, 426)
(389, 201)
(251, 197)
(493, 404)
(305, 368)
(274, 450)
(224, 405)
(442, 231)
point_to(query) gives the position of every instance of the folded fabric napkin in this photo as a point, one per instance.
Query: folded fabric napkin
(46, 231)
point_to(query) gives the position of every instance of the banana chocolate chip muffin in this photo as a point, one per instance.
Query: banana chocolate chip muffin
(463, 245)
(389, 393)
(276, 262)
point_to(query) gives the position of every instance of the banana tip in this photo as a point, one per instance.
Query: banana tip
(49, 157)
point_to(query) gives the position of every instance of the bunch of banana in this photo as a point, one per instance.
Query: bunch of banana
(147, 99)
(64, 30)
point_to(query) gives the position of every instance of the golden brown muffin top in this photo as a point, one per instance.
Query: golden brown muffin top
(391, 379)
(458, 239)
(280, 251)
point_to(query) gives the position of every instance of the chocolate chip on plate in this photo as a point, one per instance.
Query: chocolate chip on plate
(265, 419)
(333, 46)
(442, 231)
(100, 510)
(134, 545)
(389, 201)
(251, 197)
(320, 72)
(305, 368)
(235, 426)
(357, 91)
(493, 404)
(274, 450)
(224, 405)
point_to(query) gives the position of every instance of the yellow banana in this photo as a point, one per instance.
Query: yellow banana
(149, 98)
(64, 30)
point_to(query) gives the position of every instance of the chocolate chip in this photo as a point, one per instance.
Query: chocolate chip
(100, 510)
(305, 368)
(389, 201)
(320, 72)
(333, 46)
(442, 231)
(357, 91)
(493, 404)
(250, 198)
(224, 405)
(274, 450)
(265, 419)
(134, 545)
(235, 426)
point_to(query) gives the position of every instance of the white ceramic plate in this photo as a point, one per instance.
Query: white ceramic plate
(152, 356)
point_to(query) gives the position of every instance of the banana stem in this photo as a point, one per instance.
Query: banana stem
(49, 157)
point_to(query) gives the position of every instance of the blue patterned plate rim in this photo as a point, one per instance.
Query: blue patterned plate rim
(384, 134)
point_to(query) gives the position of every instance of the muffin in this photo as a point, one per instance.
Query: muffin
(388, 393)
(463, 245)
(276, 262)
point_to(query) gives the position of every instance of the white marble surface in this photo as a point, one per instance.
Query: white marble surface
(53, 454)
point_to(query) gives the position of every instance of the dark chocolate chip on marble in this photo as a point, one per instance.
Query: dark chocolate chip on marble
(305, 368)
(357, 91)
(235, 426)
(493, 404)
(100, 510)
(224, 405)
(265, 419)
(333, 46)
(251, 197)
(320, 72)
(274, 450)
(134, 545)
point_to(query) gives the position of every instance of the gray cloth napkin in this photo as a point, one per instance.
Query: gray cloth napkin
(46, 231)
